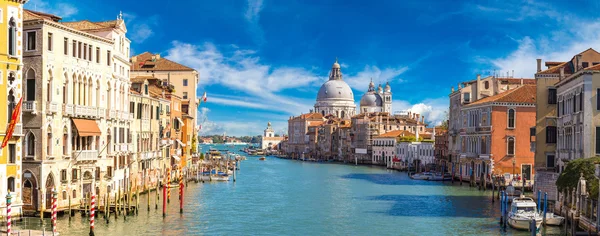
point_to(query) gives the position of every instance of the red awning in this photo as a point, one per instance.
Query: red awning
(86, 127)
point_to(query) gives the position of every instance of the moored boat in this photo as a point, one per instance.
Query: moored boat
(522, 212)
(422, 176)
(555, 220)
(262, 158)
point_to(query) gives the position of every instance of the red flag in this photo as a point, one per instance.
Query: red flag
(13, 121)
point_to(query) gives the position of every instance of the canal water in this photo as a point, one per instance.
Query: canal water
(285, 197)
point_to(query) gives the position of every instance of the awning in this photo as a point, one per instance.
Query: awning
(176, 157)
(180, 143)
(180, 121)
(86, 127)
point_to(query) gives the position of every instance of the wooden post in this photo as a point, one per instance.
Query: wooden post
(107, 213)
(70, 211)
(164, 202)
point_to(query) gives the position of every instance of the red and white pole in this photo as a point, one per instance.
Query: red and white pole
(92, 212)
(54, 197)
(8, 220)
(164, 200)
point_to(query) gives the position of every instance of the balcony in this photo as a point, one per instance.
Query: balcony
(112, 114)
(124, 147)
(68, 109)
(101, 113)
(130, 116)
(164, 142)
(178, 152)
(52, 107)
(565, 120)
(124, 115)
(30, 106)
(146, 123)
(18, 131)
(85, 155)
(485, 157)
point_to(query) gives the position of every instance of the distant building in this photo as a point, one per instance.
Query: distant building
(441, 148)
(377, 101)
(268, 140)
(298, 137)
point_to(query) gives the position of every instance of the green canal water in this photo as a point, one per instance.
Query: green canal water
(285, 197)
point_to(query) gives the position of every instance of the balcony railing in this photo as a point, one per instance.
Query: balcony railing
(30, 106)
(124, 147)
(124, 115)
(178, 152)
(113, 114)
(86, 155)
(485, 157)
(130, 116)
(68, 109)
(146, 123)
(101, 113)
(52, 107)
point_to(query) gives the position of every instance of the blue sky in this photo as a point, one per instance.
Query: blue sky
(264, 60)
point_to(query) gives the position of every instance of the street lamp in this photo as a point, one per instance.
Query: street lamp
(514, 162)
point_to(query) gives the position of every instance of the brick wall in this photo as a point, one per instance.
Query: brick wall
(546, 182)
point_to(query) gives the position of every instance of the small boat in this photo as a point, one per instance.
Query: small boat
(422, 176)
(552, 219)
(262, 158)
(440, 177)
(523, 211)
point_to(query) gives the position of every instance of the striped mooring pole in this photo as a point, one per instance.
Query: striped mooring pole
(180, 190)
(54, 197)
(168, 184)
(8, 220)
(92, 213)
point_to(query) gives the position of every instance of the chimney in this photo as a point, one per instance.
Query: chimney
(422, 119)
(578, 62)
(157, 56)
(477, 88)
(562, 73)
(453, 89)
(134, 59)
(521, 81)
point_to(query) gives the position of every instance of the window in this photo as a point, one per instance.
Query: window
(467, 97)
(597, 140)
(11, 102)
(74, 48)
(185, 95)
(63, 175)
(132, 107)
(30, 144)
(585, 64)
(11, 184)
(511, 118)
(157, 112)
(550, 160)
(487, 84)
(581, 102)
(551, 134)
(74, 174)
(146, 89)
(79, 49)
(90, 47)
(85, 51)
(510, 146)
(185, 82)
(49, 142)
(598, 99)
(108, 58)
(12, 37)
(139, 115)
(65, 141)
(66, 46)
(30, 85)
(50, 42)
(552, 96)
(12, 153)
(97, 173)
(97, 54)
(30, 41)
(109, 171)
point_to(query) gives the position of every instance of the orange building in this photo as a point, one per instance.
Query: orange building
(495, 134)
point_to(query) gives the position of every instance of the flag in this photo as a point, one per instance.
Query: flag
(13, 121)
(203, 99)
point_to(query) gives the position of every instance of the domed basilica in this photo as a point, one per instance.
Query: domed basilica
(335, 97)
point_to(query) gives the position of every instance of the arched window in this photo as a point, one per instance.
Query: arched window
(511, 118)
(11, 104)
(12, 37)
(49, 92)
(486, 84)
(343, 114)
(323, 113)
(10, 184)
(30, 144)
(510, 146)
(65, 89)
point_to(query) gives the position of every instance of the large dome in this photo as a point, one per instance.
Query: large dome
(371, 99)
(336, 90)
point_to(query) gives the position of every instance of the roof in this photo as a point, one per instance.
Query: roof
(517, 81)
(148, 61)
(34, 15)
(313, 115)
(86, 25)
(395, 133)
(522, 94)
(133, 91)
(556, 69)
(139, 79)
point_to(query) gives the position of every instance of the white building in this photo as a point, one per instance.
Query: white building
(377, 101)
(335, 97)
(269, 140)
(416, 154)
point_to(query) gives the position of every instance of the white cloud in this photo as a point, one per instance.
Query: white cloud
(140, 28)
(253, 10)
(360, 80)
(434, 110)
(61, 9)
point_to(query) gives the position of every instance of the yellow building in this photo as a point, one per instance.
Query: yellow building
(11, 54)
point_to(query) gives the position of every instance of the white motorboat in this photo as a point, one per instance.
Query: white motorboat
(422, 176)
(522, 212)
(552, 219)
(214, 177)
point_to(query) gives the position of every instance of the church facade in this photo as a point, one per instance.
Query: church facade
(335, 97)
(377, 101)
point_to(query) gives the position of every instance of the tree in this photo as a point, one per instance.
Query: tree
(201, 156)
(276, 135)
(194, 144)
(569, 178)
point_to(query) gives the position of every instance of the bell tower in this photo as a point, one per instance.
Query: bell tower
(387, 98)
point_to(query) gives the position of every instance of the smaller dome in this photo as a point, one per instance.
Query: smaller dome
(336, 65)
(371, 99)
(388, 88)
